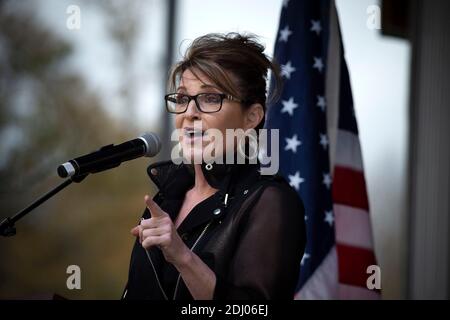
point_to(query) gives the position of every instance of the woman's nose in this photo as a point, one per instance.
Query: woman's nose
(192, 110)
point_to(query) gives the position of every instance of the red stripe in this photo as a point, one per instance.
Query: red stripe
(349, 188)
(353, 263)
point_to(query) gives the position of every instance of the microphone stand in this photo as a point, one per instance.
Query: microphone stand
(7, 228)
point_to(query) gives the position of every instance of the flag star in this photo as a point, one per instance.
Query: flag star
(327, 180)
(289, 106)
(316, 27)
(285, 3)
(292, 143)
(318, 64)
(287, 69)
(306, 218)
(296, 180)
(329, 218)
(305, 256)
(321, 102)
(284, 34)
(324, 141)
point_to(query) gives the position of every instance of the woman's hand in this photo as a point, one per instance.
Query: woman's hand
(160, 231)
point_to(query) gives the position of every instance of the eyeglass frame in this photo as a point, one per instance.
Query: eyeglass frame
(221, 95)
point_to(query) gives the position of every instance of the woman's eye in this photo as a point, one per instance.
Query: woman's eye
(212, 98)
(182, 99)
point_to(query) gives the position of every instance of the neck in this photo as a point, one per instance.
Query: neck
(201, 185)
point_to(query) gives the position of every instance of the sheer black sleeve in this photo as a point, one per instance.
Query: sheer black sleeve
(266, 262)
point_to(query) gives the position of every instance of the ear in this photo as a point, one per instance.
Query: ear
(253, 116)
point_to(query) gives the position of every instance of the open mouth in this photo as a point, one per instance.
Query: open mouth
(193, 133)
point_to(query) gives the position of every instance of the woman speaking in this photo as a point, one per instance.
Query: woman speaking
(217, 230)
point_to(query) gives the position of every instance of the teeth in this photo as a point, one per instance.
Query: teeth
(193, 132)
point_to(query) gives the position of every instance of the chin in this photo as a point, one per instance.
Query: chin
(192, 154)
(206, 153)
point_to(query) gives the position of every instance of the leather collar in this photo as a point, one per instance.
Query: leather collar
(174, 179)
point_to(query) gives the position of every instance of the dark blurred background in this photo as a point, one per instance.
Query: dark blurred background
(67, 89)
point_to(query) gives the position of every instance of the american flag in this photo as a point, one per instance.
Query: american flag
(320, 154)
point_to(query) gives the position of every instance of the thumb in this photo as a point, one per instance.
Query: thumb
(155, 210)
(135, 231)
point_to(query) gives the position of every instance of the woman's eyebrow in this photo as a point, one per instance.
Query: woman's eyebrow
(203, 86)
(208, 86)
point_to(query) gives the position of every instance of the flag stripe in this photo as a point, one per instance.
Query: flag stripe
(348, 151)
(349, 188)
(323, 283)
(353, 226)
(353, 263)
(353, 292)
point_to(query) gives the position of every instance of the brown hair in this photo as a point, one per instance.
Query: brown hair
(235, 63)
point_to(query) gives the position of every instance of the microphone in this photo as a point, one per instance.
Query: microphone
(111, 156)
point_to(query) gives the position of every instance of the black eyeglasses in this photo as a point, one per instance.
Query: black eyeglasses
(205, 102)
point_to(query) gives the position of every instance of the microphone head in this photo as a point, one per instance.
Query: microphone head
(152, 142)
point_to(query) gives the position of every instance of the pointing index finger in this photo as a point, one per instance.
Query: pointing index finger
(155, 210)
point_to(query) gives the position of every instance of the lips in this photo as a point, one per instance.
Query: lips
(193, 133)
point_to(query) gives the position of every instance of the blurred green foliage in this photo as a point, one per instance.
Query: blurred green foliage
(49, 115)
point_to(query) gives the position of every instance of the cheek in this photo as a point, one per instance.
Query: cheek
(233, 118)
(178, 121)
(178, 124)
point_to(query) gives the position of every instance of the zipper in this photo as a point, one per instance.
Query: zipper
(192, 249)
(156, 275)
(179, 275)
